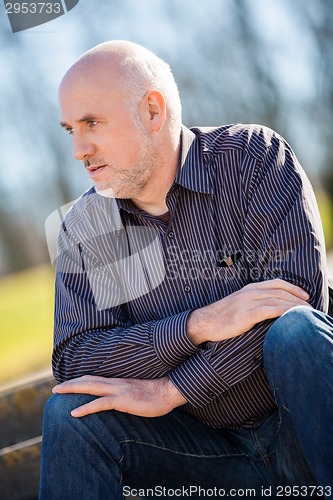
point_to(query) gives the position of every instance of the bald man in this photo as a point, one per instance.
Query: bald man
(192, 345)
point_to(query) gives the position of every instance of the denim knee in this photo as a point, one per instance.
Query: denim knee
(293, 332)
(58, 408)
(296, 346)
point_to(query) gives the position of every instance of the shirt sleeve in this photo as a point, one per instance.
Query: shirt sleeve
(283, 238)
(90, 339)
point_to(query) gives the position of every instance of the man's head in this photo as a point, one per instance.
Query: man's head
(120, 103)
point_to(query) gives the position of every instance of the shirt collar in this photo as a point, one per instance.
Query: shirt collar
(192, 173)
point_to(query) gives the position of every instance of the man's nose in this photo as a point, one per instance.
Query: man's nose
(83, 149)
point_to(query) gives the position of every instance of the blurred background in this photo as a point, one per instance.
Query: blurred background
(263, 61)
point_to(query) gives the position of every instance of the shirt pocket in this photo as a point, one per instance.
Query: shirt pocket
(231, 276)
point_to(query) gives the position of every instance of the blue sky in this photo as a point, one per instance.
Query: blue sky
(55, 45)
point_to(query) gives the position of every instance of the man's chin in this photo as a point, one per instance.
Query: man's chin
(105, 190)
(109, 192)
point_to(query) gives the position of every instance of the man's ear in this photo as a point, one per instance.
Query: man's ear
(154, 110)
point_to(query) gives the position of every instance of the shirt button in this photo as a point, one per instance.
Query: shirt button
(212, 394)
(171, 235)
(187, 288)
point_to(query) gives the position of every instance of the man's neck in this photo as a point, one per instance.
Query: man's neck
(153, 197)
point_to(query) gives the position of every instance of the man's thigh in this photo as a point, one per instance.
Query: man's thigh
(175, 455)
(177, 452)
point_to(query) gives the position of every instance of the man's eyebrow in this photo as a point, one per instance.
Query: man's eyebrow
(85, 118)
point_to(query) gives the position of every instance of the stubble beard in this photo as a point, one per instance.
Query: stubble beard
(129, 183)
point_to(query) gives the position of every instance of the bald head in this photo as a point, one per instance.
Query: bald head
(107, 59)
(131, 68)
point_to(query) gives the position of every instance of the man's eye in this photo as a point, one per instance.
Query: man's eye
(92, 123)
(70, 130)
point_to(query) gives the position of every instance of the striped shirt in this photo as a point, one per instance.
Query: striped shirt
(241, 210)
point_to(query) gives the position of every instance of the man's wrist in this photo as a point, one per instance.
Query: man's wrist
(196, 327)
(174, 397)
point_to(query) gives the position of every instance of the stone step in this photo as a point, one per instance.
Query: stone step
(19, 470)
(21, 415)
(21, 410)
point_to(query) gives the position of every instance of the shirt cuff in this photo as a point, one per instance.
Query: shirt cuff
(197, 381)
(170, 340)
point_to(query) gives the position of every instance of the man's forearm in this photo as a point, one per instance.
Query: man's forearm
(138, 351)
(239, 312)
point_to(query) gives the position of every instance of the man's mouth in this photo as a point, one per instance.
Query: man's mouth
(94, 170)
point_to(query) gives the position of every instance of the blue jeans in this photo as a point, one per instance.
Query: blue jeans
(111, 454)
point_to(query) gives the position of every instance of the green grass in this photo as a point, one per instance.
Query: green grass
(326, 214)
(26, 319)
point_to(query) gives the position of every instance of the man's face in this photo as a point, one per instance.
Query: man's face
(117, 152)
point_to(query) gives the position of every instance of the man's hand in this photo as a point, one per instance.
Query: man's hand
(239, 312)
(145, 398)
